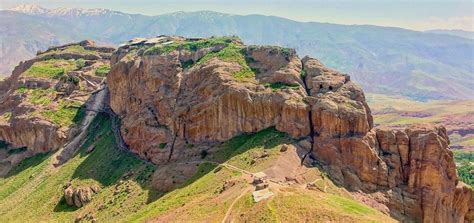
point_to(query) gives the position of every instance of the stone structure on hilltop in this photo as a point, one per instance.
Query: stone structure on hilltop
(185, 95)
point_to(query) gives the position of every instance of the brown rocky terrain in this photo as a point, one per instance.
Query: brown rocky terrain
(177, 109)
(177, 97)
(44, 101)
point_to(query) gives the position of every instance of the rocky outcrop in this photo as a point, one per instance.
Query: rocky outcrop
(79, 196)
(175, 107)
(44, 99)
(413, 167)
(176, 97)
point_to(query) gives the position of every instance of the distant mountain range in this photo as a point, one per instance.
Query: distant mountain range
(395, 61)
(454, 32)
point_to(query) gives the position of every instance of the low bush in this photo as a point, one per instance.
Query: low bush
(102, 70)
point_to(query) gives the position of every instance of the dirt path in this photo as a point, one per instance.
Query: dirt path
(65, 153)
(229, 210)
(226, 165)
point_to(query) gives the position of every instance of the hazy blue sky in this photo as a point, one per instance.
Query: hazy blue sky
(414, 14)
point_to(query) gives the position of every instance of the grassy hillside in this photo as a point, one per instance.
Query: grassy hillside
(34, 189)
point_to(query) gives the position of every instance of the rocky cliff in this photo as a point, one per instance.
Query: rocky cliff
(177, 97)
(44, 100)
(410, 171)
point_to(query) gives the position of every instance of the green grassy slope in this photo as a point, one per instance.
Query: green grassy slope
(34, 189)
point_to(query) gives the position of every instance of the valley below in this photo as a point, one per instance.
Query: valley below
(456, 115)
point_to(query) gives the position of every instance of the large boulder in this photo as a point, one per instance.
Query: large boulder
(79, 196)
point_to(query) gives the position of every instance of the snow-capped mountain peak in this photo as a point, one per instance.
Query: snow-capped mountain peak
(29, 9)
(64, 12)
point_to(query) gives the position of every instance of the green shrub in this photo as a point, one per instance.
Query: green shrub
(279, 85)
(71, 79)
(464, 166)
(162, 145)
(102, 70)
(22, 90)
(465, 170)
(303, 74)
(286, 52)
(80, 63)
(187, 64)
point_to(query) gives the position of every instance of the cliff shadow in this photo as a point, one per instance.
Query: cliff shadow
(117, 170)
(238, 151)
(27, 163)
(103, 161)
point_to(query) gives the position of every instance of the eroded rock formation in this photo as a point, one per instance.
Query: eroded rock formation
(176, 97)
(176, 108)
(414, 168)
(44, 99)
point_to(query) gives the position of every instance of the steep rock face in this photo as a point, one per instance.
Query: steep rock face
(40, 103)
(176, 97)
(217, 97)
(413, 167)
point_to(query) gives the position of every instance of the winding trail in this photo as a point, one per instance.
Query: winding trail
(229, 210)
(65, 153)
(227, 217)
(228, 166)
